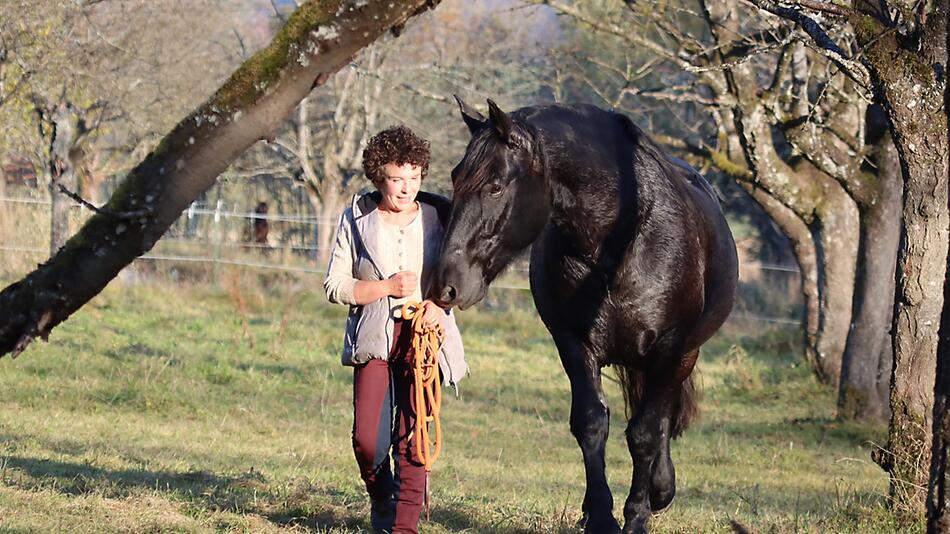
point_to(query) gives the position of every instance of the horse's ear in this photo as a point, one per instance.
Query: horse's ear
(473, 119)
(500, 120)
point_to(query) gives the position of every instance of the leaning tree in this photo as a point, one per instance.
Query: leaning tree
(317, 40)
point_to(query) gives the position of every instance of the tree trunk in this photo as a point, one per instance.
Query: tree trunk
(59, 210)
(327, 209)
(819, 201)
(803, 247)
(836, 231)
(905, 69)
(866, 367)
(63, 131)
(318, 39)
(938, 501)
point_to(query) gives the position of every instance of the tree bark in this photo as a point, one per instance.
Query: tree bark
(813, 195)
(836, 227)
(803, 247)
(910, 73)
(318, 39)
(866, 366)
(938, 499)
(63, 133)
(822, 204)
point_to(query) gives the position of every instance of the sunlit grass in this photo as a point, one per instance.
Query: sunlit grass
(150, 411)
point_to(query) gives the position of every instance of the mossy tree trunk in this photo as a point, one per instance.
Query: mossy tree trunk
(821, 203)
(909, 70)
(317, 40)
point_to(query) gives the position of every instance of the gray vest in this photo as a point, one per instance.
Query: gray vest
(369, 328)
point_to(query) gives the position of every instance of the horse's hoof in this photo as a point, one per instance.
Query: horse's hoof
(637, 526)
(582, 522)
(607, 525)
(661, 500)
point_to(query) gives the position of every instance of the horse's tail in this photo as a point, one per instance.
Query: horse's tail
(687, 408)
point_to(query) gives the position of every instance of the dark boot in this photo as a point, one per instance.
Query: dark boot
(382, 515)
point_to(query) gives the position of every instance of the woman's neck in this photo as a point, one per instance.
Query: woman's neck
(398, 218)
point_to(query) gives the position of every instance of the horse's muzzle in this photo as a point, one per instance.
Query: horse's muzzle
(447, 296)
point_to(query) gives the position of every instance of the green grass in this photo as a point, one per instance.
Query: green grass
(149, 411)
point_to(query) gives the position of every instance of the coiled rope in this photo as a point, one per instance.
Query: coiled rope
(427, 401)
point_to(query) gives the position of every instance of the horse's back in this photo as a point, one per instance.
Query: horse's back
(675, 272)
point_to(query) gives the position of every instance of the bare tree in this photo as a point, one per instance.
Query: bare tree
(90, 88)
(316, 42)
(904, 58)
(323, 149)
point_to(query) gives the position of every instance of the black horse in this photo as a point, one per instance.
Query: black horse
(633, 265)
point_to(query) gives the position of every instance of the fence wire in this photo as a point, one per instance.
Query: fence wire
(292, 243)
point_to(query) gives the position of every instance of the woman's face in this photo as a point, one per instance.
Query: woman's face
(399, 186)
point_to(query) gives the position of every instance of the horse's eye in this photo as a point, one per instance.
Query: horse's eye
(495, 190)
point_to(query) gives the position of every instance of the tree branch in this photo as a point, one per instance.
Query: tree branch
(825, 44)
(318, 39)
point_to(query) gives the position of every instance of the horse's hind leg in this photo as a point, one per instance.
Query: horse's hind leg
(681, 407)
(589, 424)
(648, 435)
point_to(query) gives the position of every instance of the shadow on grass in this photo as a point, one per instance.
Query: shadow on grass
(811, 431)
(308, 507)
(452, 518)
(319, 521)
(77, 479)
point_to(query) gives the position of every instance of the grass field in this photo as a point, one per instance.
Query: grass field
(169, 409)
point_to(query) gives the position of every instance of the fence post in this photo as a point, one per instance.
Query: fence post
(218, 238)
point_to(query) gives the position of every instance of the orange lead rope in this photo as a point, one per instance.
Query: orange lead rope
(427, 402)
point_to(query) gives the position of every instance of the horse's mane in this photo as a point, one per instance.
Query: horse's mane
(480, 150)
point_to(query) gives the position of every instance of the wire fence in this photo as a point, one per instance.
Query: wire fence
(221, 235)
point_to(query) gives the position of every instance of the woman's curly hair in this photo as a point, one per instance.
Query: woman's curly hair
(396, 144)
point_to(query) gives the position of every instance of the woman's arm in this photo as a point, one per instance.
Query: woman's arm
(342, 288)
(366, 291)
(399, 285)
(339, 284)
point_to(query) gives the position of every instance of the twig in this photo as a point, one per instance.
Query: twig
(115, 214)
(826, 45)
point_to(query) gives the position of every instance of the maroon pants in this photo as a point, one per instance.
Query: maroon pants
(382, 389)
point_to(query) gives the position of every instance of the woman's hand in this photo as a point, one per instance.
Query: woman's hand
(402, 284)
(433, 313)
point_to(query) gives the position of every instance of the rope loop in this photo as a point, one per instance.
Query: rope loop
(427, 401)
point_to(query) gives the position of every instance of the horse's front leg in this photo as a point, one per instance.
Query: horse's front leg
(590, 419)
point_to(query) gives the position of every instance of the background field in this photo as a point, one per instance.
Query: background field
(162, 408)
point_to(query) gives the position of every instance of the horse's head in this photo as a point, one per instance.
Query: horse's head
(501, 204)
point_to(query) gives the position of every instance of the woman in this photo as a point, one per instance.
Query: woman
(386, 246)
